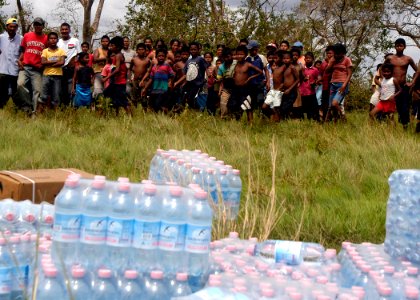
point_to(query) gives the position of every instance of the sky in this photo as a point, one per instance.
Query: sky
(115, 10)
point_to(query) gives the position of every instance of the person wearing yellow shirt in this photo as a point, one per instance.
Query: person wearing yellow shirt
(52, 59)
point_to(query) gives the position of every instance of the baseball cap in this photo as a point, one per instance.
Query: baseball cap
(253, 44)
(11, 21)
(39, 21)
(272, 45)
(298, 44)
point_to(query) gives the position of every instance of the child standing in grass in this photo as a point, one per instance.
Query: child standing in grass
(52, 59)
(307, 88)
(289, 76)
(389, 90)
(139, 66)
(117, 86)
(161, 77)
(82, 81)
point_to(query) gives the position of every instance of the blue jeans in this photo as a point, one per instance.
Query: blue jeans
(51, 86)
(32, 76)
(335, 95)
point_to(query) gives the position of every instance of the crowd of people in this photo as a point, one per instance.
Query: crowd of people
(42, 71)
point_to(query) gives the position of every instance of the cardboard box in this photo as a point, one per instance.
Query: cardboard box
(35, 185)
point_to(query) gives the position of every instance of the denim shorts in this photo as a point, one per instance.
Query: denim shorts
(335, 95)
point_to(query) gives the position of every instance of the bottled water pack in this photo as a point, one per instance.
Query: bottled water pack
(222, 183)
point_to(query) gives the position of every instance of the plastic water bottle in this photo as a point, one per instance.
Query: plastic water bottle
(131, 290)
(94, 226)
(50, 288)
(224, 185)
(5, 271)
(20, 268)
(147, 210)
(79, 287)
(155, 288)
(28, 215)
(289, 252)
(172, 232)
(46, 219)
(120, 227)
(67, 220)
(235, 185)
(198, 238)
(181, 287)
(210, 185)
(155, 166)
(104, 288)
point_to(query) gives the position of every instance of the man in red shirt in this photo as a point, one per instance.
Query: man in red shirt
(30, 67)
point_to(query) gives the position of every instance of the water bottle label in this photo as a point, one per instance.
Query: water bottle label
(66, 227)
(198, 238)
(5, 280)
(93, 230)
(288, 252)
(20, 277)
(119, 232)
(172, 236)
(146, 234)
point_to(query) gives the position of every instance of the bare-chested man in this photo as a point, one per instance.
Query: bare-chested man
(239, 99)
(401, 63)
(273, 99)
(178, 67)
(139, 66)
(289, 86)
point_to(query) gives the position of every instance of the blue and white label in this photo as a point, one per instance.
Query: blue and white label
(66, 227)
(119, 232)
(288, 252)
(20, 277)
(93, 229)
(198, 238)
(146, 234)
(172, 236)
(5, 280)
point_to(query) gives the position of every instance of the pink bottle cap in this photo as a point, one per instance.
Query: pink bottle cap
(146, 181)
(99, 177)
(233, 235)
(267, 293)
(50, 272)
(384, 290)
(30, 218)
(412, 292)
(236, 172)
(123, 179)
(2, 241)
(71, 182)
(181, 276)
(389, 269)
(131, 274)
(14, 239)
(175, 191)
(10, 216)
(98, 184)
(180, 162)
(156, 274)
(48, 219)
(77, 272)
(322, 279)
(150, 189)
(295, 296)
(215, 282)
(25, 238)
(223, 171)
(412, 270)
(200, 194)
(104, 273)
(124, 187)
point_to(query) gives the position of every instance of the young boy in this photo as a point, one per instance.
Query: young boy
(225, 76)
(178, 67)
(160, 79)
(195, 70)
(117, 87)
(389, 90)
(82, 81)
(85, 48)
(297, 106)
(240, 97)
(140, 65)
(271, 59)
(400, 61)
(289, 76)
(341, 69)
(374, 99)
(273, 99)
(259, 83)
(326, 78)
(307, 88)
(52, 59)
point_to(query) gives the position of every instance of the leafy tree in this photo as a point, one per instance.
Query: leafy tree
(89, 27)
(355, 23)
(403, 16)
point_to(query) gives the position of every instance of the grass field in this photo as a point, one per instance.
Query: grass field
(302, 180)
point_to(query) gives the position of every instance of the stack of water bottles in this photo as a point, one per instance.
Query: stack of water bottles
(222, 183)
(403, 216)
(157, 236)
(20, 222)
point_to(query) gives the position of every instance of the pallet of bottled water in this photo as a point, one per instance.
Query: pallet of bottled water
(403, 216)
(222, 182)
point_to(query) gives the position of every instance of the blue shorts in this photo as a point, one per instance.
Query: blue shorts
(335, 95)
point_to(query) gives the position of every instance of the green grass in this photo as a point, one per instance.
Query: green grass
(302, 180)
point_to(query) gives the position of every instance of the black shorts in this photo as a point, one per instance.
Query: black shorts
(159, 101)
(118, 94)
(237, 97)
(287, 103)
